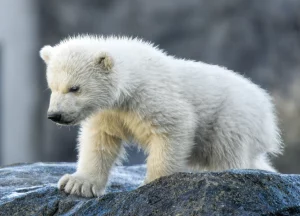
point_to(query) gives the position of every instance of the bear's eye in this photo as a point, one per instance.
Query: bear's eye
(74, 89)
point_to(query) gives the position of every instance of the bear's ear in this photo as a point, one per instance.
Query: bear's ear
(105, 61)
(45, 53)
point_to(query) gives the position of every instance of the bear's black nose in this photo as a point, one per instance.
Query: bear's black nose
(56, 117)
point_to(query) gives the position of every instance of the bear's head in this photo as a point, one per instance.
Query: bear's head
(82, 80)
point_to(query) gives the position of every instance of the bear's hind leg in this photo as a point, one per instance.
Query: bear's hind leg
(263, 163)
(165, 158)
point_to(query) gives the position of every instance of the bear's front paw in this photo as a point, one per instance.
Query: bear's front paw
(80, 185)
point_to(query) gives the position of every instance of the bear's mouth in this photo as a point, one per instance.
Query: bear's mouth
(67, 122)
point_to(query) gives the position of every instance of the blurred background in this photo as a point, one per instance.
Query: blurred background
(260, 39)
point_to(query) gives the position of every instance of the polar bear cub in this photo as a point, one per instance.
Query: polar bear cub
(186, 115)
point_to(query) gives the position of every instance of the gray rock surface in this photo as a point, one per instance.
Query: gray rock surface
(30, 189)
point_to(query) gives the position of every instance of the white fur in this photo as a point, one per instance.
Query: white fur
(187, 115)
(45, 53)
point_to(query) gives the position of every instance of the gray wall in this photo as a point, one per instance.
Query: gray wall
(20, 122)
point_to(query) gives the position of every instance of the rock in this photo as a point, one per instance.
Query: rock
(30, 189)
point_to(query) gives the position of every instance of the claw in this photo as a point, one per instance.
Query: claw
(81, 186)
